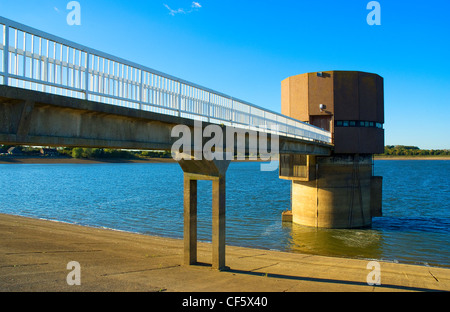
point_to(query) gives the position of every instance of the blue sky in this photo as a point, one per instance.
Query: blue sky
(246, 48)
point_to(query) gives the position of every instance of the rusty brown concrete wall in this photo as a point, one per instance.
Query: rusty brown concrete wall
(347, 95)
(295, 97)
(339, 198)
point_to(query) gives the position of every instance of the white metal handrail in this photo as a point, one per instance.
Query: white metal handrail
(36, 60)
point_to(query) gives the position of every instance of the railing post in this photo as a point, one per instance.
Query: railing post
(46, 67)
(87, 76)
(179, 99)
(5, 54)
(209, 106)
(232, 111)
(265, 121)
(141, 92)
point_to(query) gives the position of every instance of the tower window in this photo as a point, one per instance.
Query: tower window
(353, 123)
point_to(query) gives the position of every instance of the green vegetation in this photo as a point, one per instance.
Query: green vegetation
(106, 153)
(99, 153)
(87, 153)
(402, 150)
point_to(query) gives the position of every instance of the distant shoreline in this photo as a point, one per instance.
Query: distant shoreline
(67, 160)
(412, 157)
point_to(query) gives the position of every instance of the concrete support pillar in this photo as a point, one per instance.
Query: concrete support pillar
(204, 170)
(218, 223)
(339, 197)
(190, 220)
(340, 193)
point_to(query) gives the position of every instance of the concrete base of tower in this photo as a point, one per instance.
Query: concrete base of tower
(344, 194)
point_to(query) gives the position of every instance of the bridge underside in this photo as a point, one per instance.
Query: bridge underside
(35, 118)
(39, 119)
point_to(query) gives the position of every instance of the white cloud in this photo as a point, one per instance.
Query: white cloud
(194, 7)
(173, 12)
(56, 9)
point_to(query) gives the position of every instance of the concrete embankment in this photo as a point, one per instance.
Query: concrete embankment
(34, 255)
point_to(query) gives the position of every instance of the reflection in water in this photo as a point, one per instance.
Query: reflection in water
(354, 243)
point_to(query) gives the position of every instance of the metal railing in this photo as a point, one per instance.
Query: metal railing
(36, 60)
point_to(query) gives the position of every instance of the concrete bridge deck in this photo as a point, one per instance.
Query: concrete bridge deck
(29, 117)
(34, 255)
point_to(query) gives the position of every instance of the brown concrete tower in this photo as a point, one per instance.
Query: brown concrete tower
(338, 191)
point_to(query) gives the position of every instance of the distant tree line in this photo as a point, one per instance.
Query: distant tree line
(92, 153)
(81, 152)
(402, 150)
(88, 153)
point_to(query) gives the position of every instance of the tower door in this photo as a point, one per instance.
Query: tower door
(323, 122)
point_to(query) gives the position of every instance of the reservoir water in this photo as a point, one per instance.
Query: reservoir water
(148, 199)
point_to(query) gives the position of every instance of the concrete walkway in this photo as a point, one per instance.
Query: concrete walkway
(34, 255)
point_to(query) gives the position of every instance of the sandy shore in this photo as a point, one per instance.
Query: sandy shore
(34, 255)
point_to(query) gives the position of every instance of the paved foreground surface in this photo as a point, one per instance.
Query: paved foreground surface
(34, 255)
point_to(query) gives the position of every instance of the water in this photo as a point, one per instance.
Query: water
(148, 199)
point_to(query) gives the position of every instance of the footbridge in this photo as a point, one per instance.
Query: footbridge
(54, 92)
